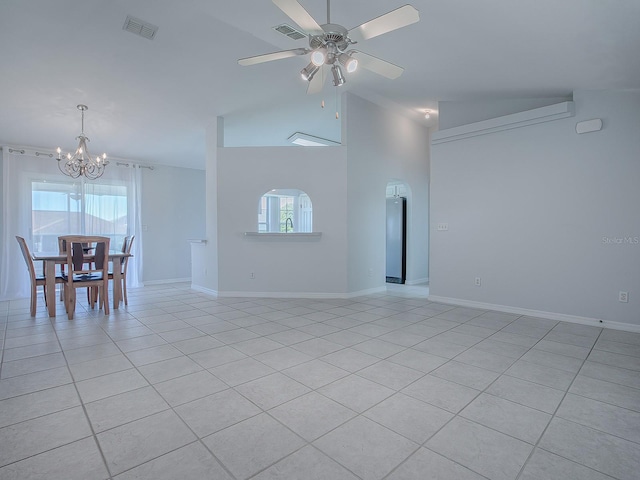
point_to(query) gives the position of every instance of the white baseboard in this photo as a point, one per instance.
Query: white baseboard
(208, 291)
(163, 282)
(562, 317)
(328, 295)
(419, 281)
(362, 293)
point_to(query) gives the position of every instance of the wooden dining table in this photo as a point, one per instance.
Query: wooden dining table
(50, 260)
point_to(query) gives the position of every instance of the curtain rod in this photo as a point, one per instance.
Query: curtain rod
(23, 151)
(122, 164)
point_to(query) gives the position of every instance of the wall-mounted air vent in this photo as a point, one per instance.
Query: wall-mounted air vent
(140, 27)
(289, 31)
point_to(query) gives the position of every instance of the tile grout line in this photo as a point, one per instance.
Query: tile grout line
(456, 415)
(82, 404)
(356, 373)
(172, 408)
(553, 415)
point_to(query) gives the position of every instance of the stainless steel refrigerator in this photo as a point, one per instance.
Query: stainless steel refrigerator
(396, 239)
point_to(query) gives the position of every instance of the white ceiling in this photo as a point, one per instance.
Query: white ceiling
(150, 100)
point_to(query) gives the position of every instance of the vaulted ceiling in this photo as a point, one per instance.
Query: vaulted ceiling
(150, 100)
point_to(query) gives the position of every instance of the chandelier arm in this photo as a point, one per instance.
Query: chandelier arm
(70, 168)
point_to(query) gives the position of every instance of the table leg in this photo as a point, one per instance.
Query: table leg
(50, 275)
(117, 286)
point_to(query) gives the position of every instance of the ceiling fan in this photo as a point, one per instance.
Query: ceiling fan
(330, 44)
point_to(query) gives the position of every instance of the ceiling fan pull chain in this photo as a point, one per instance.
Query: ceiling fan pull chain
(337, 114)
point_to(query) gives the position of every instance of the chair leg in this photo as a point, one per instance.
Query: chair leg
(124, 290)
(34, 298)
(71, 307)
(92, 296)
(65, 294)
(104, 293)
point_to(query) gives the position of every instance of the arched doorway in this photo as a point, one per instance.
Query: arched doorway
(397, 198)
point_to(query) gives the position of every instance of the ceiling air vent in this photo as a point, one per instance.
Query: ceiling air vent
(289, 31)
(140, 27)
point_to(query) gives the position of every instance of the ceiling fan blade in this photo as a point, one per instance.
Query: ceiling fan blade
(299, 15)
(317, 82)
(268, 57)
(377, 65)
(398, 18)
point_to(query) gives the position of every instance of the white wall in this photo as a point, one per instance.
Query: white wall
(173, 211)
(266, 126)
(383, 146)
(528, 210)
(283, 265)
(204, 256)
(453, 114)
(347, 186)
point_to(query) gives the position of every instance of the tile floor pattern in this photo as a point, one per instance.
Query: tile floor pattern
(388, 386)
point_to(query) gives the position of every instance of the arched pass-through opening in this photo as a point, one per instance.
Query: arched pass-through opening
(285, 210)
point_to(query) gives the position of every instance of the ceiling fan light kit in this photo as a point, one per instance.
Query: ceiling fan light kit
(338, 77)
(348, 62)
(329, 44)
(308, 72)
(319, 56)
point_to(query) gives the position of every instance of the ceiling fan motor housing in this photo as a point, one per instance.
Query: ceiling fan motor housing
(333, 33)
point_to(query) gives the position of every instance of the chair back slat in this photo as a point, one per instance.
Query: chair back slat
(27, 257)
(77, 255)
(99, 253)
(130, 244)
(125, 260)
(125, 247)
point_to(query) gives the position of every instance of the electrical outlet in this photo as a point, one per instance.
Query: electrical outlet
(478, 281)
(371, 272)
(623, 297)
(252, 275)
(443, 227)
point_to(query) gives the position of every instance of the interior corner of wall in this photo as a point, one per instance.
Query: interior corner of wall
(344, 131)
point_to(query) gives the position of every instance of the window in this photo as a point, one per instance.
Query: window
(61, 208)
(285, 211)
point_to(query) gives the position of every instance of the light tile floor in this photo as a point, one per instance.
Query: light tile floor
(389, 386)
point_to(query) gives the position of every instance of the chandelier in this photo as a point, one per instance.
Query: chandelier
(81, 162)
